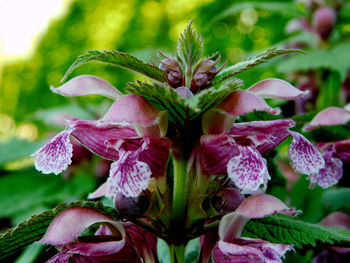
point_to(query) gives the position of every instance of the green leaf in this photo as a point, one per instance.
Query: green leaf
(286, 9)
(117, 58)
(240, 67)
(179, 109)
(190, 46)
(287, 230)
(336, 58)
(329, 89)
(337, 198)
(331, 133)
(33, 229)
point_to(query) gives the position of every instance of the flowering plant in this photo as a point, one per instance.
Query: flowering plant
(184, 166)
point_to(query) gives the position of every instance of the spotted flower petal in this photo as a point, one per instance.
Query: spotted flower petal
(277, 89)
(329, 116)
(87, 85)
(248, 169)
(237, 104)
(330, 174)
(128, 175)
(56, 155)
(215, 152)
(264, 135)
(303, 156)
(246, 250)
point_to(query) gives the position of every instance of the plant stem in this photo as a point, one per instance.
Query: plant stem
(177, 253)
(179, 194)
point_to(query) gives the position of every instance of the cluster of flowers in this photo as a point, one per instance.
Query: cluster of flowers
(215, 162)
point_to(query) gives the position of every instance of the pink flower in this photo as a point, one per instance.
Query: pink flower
(112, 242)
(130, 134)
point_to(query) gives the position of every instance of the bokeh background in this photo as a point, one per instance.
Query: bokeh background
(39, 40)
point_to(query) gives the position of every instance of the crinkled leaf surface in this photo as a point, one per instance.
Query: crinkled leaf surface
(190, 46)
(33, 229)
(233, 70)
(117, 58)
(287, 230)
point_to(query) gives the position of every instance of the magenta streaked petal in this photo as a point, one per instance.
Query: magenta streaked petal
(56, 155)
(66, 227)
(136, 110)
(303, 156)
(102, 190)
(155, 152)
(276, 89)
(61, 257)
(95, 135)
(264, 135)
(242, 102)
(248, 169)
(128, 175)
(329, 116)
(247, 250)
(215, 152)
(207, 243)
(87, 85)
(330, 174)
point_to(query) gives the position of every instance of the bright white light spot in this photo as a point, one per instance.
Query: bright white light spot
(21, 21)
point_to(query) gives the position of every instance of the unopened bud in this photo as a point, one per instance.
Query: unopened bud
(204, 73)
(323, 20)
(172, 70)
(131, 207)
(184, 92)
(227, 200)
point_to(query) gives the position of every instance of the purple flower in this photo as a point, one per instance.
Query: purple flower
(334, 153)
(112, 242)
(236, 149)
(130, 134)
(233, 248)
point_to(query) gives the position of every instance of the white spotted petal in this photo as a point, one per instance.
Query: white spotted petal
(128, 175)
(303, 156)
(248, 170)
(56, 155)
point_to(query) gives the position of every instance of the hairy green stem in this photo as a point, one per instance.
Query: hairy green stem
(179, 194)
(177, 253)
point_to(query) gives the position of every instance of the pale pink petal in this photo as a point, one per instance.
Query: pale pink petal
(56, 155)
(95, 135)
(128, 175)
(264, 135)
(67, 226)
(337, 219)
(87, 85)
(276, 89)
(215, 151)
(248, 250)
(136, 110)
(102, 190)
(255, 206)
(248, 169)
(330, 174)
(303, 156)
(261, 205)
(207, 243)
(243, 101)
(329, 116)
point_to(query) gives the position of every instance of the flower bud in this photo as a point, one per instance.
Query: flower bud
(204, 73)
(184, 92)
(131, 207)
(172, 70)
(323, 20)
